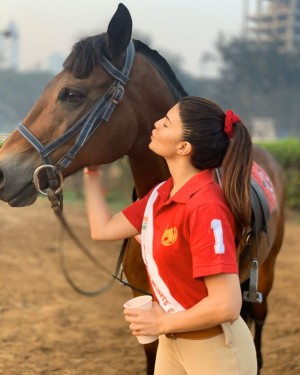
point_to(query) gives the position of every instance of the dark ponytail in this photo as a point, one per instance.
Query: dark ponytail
(236, 175)
(203, 127)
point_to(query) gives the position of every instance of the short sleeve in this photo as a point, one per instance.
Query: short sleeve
(135, 212)
(213, 250)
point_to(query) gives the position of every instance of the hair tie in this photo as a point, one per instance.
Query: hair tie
(230, 119)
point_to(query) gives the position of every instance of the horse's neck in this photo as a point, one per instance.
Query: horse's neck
(147, 172)
(147, 168)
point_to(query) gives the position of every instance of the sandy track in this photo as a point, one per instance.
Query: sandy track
(47, 328)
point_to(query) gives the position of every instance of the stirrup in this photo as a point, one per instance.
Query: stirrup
(253, 295)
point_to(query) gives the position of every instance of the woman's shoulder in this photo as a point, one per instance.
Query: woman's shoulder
(211, 193)
(209, 199)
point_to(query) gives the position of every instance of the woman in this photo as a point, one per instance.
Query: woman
(191, 232)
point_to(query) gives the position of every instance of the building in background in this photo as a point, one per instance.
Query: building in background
(263, 129)
(9, 47)
(274, 20)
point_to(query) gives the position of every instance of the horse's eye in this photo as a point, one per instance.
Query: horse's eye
(71, 96)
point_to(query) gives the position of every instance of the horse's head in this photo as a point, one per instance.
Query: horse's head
(67, 98)
(91, 95)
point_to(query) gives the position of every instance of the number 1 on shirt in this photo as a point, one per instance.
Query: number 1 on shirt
(216, 226)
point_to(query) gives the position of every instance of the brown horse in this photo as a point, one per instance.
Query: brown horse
(98, 117)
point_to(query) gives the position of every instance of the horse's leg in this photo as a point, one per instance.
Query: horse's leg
(246, 311)
(257, 312)
(265, 284)
(150, 351)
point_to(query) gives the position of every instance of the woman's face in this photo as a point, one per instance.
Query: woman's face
(167, 134)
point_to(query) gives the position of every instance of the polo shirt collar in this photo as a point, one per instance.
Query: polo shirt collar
(193, 185)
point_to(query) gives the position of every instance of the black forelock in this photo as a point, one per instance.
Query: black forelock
(86, 55)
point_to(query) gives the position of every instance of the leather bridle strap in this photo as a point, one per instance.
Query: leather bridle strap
(86, 125)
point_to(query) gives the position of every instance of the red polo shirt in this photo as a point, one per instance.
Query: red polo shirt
(193, 235)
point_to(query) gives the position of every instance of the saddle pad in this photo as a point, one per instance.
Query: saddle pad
(263, 181)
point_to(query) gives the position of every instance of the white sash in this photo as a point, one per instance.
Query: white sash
(162, 292)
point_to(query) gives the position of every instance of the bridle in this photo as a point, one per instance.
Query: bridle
(85, 126)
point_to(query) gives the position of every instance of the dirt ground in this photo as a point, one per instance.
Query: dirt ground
(48, 328)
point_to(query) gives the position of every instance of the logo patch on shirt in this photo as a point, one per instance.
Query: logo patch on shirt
(169, 236)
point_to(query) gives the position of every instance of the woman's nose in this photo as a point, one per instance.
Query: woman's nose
(157, 123)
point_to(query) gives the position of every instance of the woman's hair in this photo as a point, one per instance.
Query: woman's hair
(203, 127)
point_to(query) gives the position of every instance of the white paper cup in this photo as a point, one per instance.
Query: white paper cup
(144, 303)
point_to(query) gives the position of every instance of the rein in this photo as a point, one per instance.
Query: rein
(85, 126)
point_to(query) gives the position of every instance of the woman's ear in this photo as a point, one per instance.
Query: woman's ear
(184, 148)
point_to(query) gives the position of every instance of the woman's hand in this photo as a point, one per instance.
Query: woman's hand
(91, 169)
(146, 322)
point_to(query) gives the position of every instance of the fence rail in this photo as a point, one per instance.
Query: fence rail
(3, 137)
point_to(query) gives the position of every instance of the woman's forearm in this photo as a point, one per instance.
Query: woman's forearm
(222, 304)
(204, 315)
(103, 225)
(97, 208)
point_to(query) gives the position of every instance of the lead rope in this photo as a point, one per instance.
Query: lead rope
(119, 272)
(56, 205)
(56, 200)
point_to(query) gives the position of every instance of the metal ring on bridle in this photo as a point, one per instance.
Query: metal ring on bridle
(37, 182)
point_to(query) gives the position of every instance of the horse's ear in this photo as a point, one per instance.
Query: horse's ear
(118, 32)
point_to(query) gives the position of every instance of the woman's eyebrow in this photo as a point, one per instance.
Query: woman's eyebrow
(168, 118)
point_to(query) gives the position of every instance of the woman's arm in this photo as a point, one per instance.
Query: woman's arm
(222, 304)
(103, 225)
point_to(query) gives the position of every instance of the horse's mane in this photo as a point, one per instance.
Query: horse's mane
(163, 68)
(86, 55)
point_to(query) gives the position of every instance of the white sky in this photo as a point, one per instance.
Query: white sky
(187, 28)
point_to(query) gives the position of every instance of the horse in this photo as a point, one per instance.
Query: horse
(101, 107)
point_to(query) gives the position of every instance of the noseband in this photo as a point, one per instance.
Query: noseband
(86, 125)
